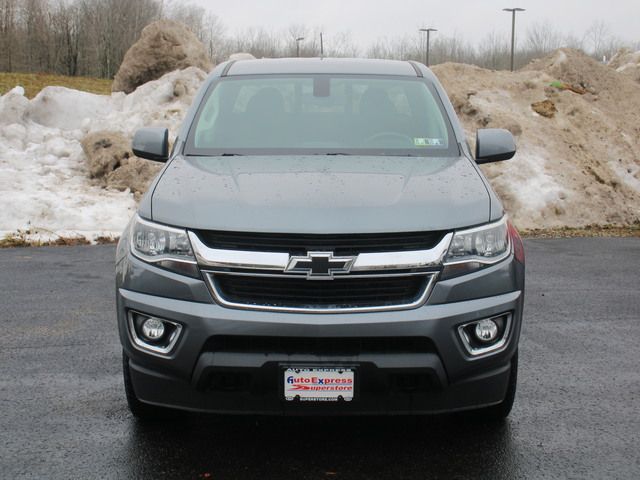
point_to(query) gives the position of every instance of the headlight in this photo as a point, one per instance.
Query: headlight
(476, 247)
(163, 246)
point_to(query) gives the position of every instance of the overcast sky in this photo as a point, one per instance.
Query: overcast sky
(367, 20)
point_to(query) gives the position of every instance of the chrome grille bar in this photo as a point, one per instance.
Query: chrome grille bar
(246, 260)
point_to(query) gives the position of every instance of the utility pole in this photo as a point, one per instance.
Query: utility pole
(426, 52)
(321, 46)
(513, 30)
(298, 40)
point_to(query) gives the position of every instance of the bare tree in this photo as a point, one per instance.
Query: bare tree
(91, 37)
(66, 26)
(213, 34)
(493, 51)
(452, 49)
(36, 33)
(340, 44)
(600, 42)
(542, 38)
(8, 18)
(296, 32)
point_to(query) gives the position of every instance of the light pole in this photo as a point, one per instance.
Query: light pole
(513, 29)
(298, 40)
(426, 53)
(321, 46)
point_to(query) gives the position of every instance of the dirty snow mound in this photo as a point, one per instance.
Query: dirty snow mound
(627, 63)
(111, 161)
(579, 165)
(45, 182)
(164, 46)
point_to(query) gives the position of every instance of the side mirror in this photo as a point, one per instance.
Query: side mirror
(151, 143)
(494, 145)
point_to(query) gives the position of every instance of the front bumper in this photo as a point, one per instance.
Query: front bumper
(196, 376)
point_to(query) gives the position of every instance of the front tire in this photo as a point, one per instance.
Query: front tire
(141, 410)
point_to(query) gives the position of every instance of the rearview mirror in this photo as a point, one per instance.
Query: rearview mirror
(151, 143)
(494, 145)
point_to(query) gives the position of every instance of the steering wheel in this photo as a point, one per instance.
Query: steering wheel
(392, 135)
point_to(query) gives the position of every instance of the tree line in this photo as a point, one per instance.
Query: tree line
(90, 38)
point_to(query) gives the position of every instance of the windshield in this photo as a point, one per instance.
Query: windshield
(322, 114)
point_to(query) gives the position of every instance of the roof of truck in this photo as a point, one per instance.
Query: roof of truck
(349, 66)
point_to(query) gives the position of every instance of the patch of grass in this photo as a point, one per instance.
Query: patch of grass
(106, 240)
(14, 240)
(586, 231)
(21, 239)
(34, 82)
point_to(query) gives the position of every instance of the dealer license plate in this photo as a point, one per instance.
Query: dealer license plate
(319, 384)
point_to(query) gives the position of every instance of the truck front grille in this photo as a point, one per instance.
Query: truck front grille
(298, 293)
(329, 273)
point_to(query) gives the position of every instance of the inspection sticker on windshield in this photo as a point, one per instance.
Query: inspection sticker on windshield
(319, 384)
(428, 142)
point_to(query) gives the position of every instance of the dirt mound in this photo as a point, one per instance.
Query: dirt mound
(112, 163)
(574, 67)
(164, 46)
(580, 167)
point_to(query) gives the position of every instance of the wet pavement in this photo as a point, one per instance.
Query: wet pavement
(577, 412)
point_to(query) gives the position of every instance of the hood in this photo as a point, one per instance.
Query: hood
(320, 194)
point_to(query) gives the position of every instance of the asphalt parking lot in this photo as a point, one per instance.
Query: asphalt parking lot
(577, 413)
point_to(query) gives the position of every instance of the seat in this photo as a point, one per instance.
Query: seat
(378, 114)
(265, 119)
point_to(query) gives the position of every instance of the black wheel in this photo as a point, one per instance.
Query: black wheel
(500, 411)
(140, 410)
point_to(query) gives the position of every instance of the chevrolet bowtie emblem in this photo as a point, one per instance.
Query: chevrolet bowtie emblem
(320, 265)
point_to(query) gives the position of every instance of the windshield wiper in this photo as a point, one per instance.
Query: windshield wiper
(400, 155)
(229, 154)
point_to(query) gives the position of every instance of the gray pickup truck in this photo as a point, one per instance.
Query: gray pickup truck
(320, 241)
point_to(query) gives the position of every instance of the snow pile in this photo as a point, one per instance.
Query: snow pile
(579, 167)
(627, 62)
(66, 109)
(576, 166)
(44, 176)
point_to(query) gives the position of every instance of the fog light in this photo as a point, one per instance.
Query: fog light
(153, 329)
(155, 335)
(486, 336)
(486, 330)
